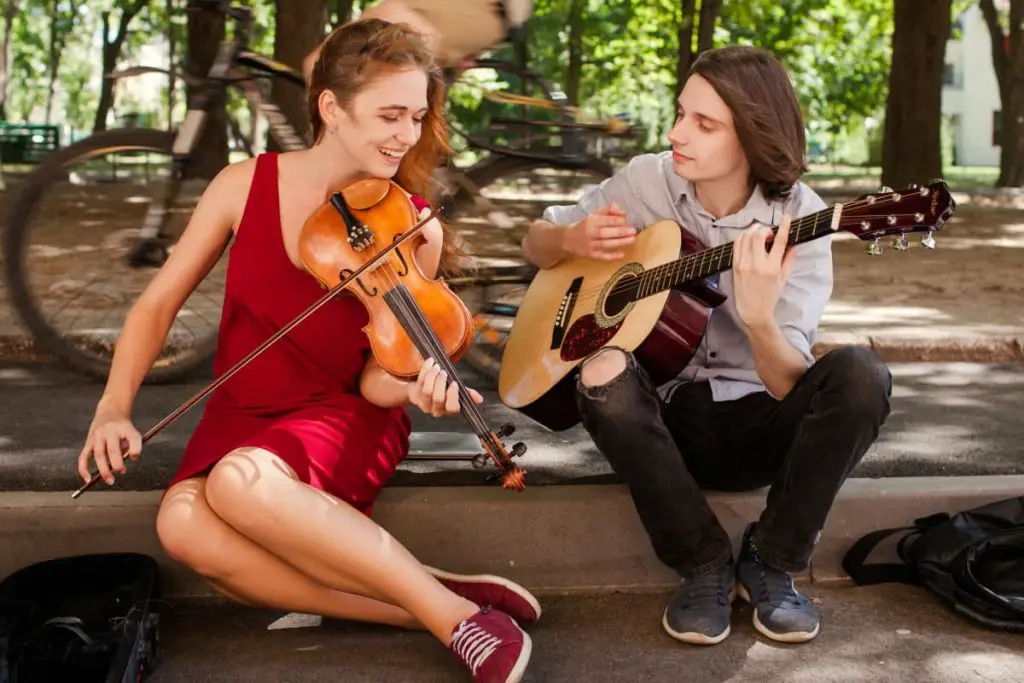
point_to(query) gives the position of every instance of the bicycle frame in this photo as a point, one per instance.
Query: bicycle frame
(235, 66)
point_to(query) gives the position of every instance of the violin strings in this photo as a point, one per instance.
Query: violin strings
(421, 327)
(427, 343)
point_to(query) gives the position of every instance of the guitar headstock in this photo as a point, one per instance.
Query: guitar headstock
(886, 212)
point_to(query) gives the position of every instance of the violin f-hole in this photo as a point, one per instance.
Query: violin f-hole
(359, 236)
(401, 257)
(345, 272)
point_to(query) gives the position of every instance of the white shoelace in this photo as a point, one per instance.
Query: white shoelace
(474, 645)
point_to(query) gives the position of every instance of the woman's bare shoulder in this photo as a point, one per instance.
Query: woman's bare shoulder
(229, 190)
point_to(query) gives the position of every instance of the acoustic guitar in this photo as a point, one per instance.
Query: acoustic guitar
(656, 302)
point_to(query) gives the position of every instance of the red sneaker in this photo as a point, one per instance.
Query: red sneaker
(492, 591)
(492, 646)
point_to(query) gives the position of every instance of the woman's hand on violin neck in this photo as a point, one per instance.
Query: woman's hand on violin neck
(432, 393)
(112, 438)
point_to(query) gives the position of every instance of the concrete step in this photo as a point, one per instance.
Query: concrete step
(947, 419)
(549, 538)
(877, 634)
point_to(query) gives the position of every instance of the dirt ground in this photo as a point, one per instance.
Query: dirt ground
(970, 288)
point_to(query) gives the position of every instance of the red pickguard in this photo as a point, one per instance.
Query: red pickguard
(585, 337)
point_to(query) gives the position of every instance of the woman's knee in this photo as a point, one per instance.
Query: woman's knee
(186, 527)
(243, 475)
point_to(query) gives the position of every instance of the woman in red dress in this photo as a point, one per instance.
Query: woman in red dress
(272, 499)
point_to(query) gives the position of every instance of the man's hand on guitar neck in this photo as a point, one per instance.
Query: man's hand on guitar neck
(602, 235)
(759, 276)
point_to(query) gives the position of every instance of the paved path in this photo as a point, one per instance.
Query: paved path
(947, 419)
(882, 633)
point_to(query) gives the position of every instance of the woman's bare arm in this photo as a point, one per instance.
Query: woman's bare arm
(151, 317)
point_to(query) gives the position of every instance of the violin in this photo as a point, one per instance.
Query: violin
(412, 317)
(362, 241)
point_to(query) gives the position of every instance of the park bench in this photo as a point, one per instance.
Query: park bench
(23, 143)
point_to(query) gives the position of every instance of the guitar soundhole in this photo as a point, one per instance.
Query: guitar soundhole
(584, 337)
(621, 295)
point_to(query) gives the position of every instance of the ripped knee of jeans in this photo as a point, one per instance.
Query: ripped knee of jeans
(602, 369)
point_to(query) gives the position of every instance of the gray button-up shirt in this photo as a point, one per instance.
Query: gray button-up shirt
(649, 190)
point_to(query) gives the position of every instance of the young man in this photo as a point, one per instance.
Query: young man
(753, 408)
(455, 31)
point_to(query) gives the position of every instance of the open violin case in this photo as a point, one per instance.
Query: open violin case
(84, 619)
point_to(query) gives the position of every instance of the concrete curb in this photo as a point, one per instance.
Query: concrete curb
(554, 539)
(21, 350)
(919, 351)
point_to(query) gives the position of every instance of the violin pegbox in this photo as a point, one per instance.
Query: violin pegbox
(359, 236)
(874, 216)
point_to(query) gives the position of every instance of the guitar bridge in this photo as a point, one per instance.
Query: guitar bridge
(565, 310)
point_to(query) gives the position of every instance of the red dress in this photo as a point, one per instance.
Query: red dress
(299, 399)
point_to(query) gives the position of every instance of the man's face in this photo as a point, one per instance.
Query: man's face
(705, 146)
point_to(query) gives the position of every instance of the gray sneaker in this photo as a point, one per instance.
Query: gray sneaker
(780, 612)
(701, 610)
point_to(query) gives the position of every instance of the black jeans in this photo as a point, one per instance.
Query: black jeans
(804, 447)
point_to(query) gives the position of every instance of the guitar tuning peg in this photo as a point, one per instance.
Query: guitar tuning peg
(884, 189)
(875, 247)
(518, 450)
(506, 429)
(913, 187)
(900, 243)
(480, 461)
(928, 241)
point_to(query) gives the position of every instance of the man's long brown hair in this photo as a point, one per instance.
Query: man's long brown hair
(351, 57)
(765, 110)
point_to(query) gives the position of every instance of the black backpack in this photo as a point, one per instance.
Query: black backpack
(974, 561)
(87, 619)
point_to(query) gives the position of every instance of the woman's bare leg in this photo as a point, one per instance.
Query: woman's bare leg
(243, 571)
(257, 494)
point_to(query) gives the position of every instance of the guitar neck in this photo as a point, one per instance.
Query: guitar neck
(717, 259)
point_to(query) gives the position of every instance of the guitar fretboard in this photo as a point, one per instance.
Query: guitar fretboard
(716, 259)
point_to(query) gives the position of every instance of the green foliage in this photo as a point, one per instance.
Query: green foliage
(837, 52)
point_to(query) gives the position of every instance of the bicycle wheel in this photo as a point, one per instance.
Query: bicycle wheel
(66, 247)
(492, 208)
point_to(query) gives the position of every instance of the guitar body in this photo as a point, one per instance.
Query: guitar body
(571, 311)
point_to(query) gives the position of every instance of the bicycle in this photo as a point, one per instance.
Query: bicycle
(144, 249)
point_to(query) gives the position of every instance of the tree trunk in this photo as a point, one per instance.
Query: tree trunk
(172, 62)
(912, 142)
(341, 13)
(111, 53)
(10, 12)
(300, 28)
(709, 11)
(1009, 68)
(574, 71)
(685, 36)
(205, 32)
(54, 58)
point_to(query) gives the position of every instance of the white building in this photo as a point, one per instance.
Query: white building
(970, 93)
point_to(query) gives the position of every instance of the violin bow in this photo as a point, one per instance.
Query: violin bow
(337, 289)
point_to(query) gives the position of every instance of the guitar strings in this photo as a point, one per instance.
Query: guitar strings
(699, 259)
